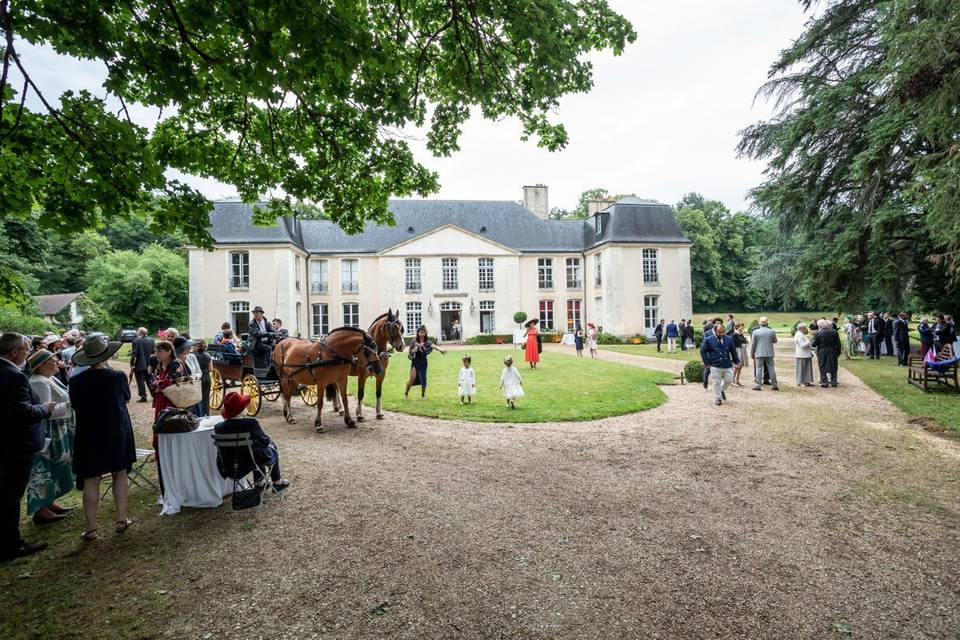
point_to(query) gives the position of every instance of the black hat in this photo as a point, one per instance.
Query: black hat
(532, 321)
(258, 308)
(95, 349)
(181, 344)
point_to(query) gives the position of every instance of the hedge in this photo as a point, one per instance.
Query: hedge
(693, 371)
(491, 338)
(608, 338)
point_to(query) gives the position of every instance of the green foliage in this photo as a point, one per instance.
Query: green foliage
(148, 288)
(95, 318)
(698, 336)
(22, 246)
(863, 159)
(136, 234)
(581, 211)
(608, 338)
(27, 322)
(520, 317)
(693, 371)
(490, 338)
(65, 267)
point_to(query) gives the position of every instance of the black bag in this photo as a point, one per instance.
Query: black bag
(539, 343)
(173, 420)
(246, 499)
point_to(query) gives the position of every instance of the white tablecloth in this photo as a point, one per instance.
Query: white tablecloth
(188, 462)
(568, 339)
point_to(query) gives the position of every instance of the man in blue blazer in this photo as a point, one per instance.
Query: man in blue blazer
(23, 436)
(719, 354)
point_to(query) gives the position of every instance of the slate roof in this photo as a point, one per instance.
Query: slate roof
(55, 303)
(502, 221)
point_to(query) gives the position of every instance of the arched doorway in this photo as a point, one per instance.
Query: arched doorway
(450, 321)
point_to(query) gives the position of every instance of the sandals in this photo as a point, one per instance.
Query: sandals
(122, 525)
(89, 536)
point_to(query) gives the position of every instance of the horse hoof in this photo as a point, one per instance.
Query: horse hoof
(339, 413)
(379, 416)
(351, 425)
(360, 418)
(320, 430)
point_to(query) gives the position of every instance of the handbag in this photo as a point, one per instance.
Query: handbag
(183, 393)
(173, 420)
(245, 499)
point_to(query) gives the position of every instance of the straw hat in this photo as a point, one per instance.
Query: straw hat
(37, 358)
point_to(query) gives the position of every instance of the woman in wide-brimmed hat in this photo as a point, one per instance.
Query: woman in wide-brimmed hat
(104, 437)
(531, 353)
(51, 473)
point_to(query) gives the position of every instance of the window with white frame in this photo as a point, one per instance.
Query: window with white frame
(297, 323)
(350, 275)
(574, 278)
(320, 320)
(485, 266)
(414, 317)
(240, 316)
(651, 312)
(597, 270)
(598, 224)
(296, 272)
(545, 273)
(351, 314)
(573, 314)
(487, 324)
(651, 271)
(412, 268)
(450, 281)
(239, 269)
(546, 315)
(319, 276)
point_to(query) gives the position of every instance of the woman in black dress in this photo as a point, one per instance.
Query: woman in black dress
(104, 436)
(204, 360)
(419, 349)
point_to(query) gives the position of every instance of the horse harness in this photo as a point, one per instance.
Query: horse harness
(338, 358)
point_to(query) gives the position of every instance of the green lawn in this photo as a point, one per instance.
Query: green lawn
(890, 381)
(563, 388)
(781, 321)
(651, 350)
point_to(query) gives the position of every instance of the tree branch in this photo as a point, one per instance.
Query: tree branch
(185, 36)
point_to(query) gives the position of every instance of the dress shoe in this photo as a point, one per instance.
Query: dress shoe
(775, 388)
(718, 403)
(824, 385)
(25, 549)
(723, 394)
(143, 400)
(834, 385)
(40, 520)
(57, 509)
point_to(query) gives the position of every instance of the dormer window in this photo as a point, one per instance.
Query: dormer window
(598, 224)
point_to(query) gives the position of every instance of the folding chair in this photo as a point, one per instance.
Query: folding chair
(136, 476)
(235, 444)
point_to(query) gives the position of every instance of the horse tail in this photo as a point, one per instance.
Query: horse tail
(331, 391)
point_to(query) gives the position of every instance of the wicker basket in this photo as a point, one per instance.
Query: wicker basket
(184, 393)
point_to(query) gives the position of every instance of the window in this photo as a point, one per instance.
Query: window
(319, 276)
(545, 273)
(486, 273)
(450, 282)
(239, 270)
(597, 224)
(573, 314)
(320, 322)
(487, 324)
(351, 314)
(414, 316)
(297, 323)
(240, 316)
(350, 275)
(598, 270)
(413, 275)
(651, 312)
(546, 315)
(574, 281)
(598, 311)
(296, 271)
(650, 271)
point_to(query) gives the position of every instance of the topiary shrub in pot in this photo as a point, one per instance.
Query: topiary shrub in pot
(693, 371)
(520, 317)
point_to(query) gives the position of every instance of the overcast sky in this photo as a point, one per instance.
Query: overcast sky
(661, 120)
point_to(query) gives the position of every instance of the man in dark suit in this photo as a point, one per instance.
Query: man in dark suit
(260, 338)
(827, 343)
(23, 416)
(279, 330)
(874, 335)
(264, 451)
(141, 350)
(888, 332)
(901, 336)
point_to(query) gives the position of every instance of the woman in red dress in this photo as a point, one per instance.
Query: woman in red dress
(532, 352)
(168, 371)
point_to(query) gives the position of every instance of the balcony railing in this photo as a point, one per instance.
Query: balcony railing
(319, 287)
(351, 287)
(413, 288)
(574, 284)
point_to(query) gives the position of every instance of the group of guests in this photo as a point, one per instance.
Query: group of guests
(61, 435)
(674, 334)
(874, 334)
(176, 358)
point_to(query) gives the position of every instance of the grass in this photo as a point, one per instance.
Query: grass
(890, 381)
(782, 322)
(651, 351)
(563, 388)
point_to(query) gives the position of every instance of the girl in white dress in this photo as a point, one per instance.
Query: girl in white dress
(467, 384)
(511, 382)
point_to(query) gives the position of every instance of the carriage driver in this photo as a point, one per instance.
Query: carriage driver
(261, 337)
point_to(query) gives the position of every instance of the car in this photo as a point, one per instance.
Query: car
(127, 335)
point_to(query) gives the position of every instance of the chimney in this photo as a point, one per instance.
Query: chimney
(595, 206)
(535, 200)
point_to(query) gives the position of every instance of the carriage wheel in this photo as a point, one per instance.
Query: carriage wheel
(271, 392)
(216, 390)
(250, 386)
(308, 393)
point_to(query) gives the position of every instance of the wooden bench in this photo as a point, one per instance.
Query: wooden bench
(921, 373)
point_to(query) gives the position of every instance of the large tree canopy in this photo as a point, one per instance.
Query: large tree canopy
(300, 96)
(864, 153)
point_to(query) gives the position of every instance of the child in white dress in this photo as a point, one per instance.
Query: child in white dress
(467, 384)
(511, 382)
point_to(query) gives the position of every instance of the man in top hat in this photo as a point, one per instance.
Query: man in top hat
(264, 450)
(23, 416)
(260, 338)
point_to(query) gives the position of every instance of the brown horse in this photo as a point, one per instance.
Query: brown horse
(385, 329)
(325, 363)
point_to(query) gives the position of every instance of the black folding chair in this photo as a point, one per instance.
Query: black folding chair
(238, 444)
(136, 476)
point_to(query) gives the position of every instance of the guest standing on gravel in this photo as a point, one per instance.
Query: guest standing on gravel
(827, 343)
(762, 351)
(719, 353)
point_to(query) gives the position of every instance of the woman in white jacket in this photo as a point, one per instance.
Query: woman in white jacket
(51, 475)
(804, 355)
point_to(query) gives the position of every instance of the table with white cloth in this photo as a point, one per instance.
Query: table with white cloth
(188, 462)
(567, 339)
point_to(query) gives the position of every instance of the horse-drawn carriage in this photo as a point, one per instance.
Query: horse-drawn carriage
(238, 370)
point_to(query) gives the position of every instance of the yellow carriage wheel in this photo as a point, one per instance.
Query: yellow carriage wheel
(216, 390)
(250, 386)
(308, 393)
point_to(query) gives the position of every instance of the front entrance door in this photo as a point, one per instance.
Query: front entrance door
(450, 323)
